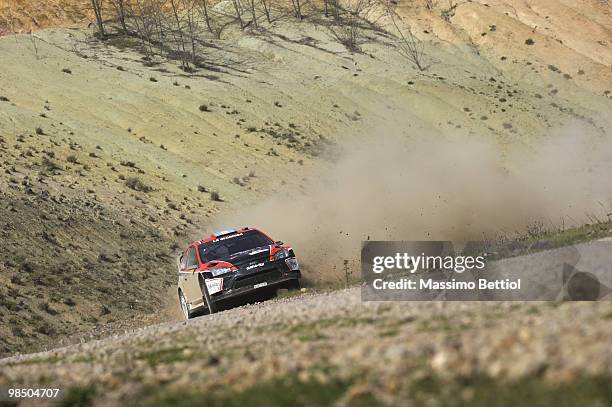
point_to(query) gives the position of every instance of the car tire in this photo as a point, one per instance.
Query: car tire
(187, 314)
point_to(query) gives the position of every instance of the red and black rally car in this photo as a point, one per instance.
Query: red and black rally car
(231, 266)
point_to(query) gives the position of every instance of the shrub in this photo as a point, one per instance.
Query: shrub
(72, 159)
(50, 165)
(137, 185)
(204, 108)
(128, 164)
(66, 70)
(215, 196)
(40, 131)
(4, 99)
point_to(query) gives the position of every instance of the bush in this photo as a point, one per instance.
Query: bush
(128, 164)
(137, 185)
(204, 108)
(4, 99)
(50, 165)
(40, 131)
(72, 159)
(215, 196)
(66, 70)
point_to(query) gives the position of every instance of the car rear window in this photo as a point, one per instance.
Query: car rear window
(227, 246)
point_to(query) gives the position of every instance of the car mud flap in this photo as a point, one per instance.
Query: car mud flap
(210, 304)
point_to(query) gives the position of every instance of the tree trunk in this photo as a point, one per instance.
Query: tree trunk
(179, 29)
(97, 7)
(253, 15)
(237, 7)
(206, 17)
(122, 16)
(266, 7)
(297, 8)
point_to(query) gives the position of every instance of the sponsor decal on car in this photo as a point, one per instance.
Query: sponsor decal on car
(265, 283)
(227, 237)
(214, 285)
(252, 266)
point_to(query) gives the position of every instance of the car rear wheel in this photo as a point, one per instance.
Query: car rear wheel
(184, 306)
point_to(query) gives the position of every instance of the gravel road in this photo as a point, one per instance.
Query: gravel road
(377, 350)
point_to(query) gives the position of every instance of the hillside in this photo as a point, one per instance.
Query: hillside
(110, 162)
(26, 16)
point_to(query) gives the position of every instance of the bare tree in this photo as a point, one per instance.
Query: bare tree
(119, 6)
(179, 35)
(213, 25)
(348, 33)
(350, 20)
(238, 8)
(158, 19)
(97, 8)
(253, 12)
(409, 46)
(297, 8)
(33, 39)
(335, 9)
(204, 9)
(142, 14)
(267, 6)
(193, 27)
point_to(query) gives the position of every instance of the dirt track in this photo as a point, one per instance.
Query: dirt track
(379, 350)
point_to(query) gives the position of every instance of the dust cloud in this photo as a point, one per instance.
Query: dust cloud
(428, 188)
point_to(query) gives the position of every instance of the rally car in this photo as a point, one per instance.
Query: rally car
(231, 266)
